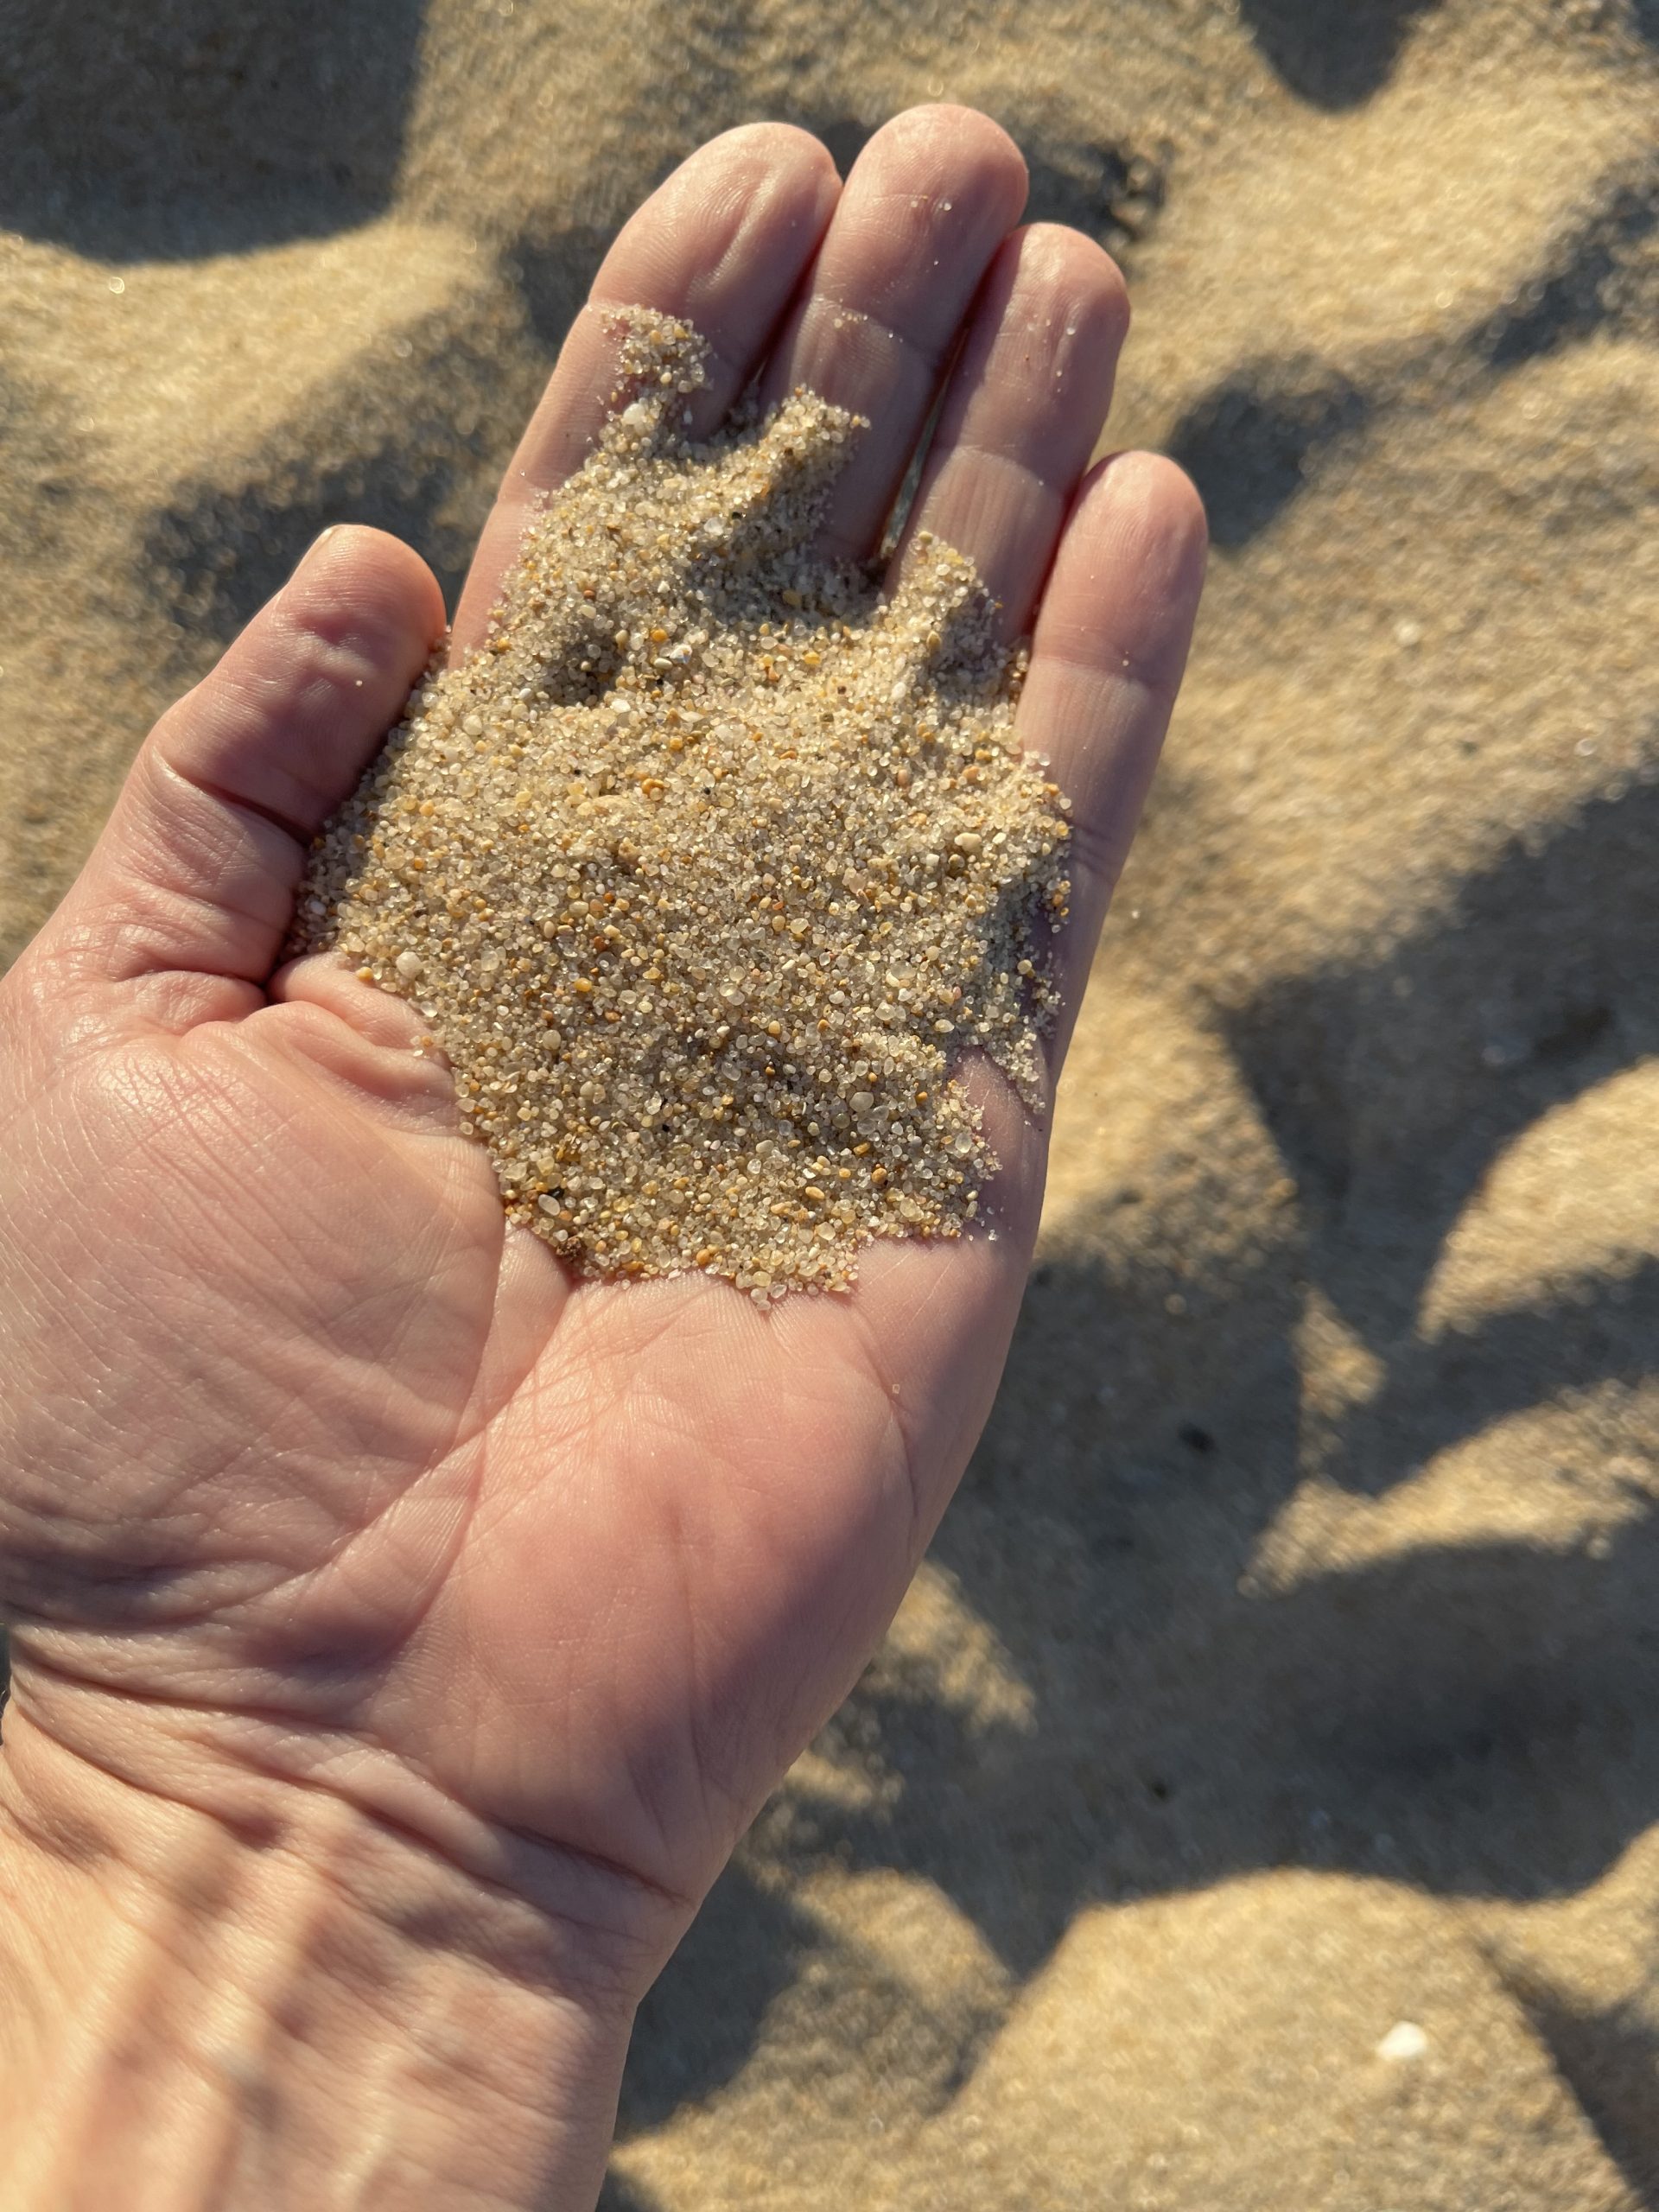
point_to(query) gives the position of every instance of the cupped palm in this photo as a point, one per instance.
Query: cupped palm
(310, 1465)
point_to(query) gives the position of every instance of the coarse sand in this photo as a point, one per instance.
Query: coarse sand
(710, 865)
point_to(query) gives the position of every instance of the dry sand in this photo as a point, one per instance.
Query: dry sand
(1284, 1680)
(706, 873)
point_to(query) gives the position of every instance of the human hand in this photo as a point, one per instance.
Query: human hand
(384, 1603)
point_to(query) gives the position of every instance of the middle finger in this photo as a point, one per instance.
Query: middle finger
(924, 210)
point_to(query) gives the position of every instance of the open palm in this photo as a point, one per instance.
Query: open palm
(313, 1469)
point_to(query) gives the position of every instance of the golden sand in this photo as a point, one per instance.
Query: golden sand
(709, 869)
(1187, 1774)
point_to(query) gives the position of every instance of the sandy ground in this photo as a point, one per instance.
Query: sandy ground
(1255, 1804)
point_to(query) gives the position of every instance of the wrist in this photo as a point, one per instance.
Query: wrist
(305, 2006)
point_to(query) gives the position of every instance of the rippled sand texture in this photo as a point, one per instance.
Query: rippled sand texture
(1283, 1682)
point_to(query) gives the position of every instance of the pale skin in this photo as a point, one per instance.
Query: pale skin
(403, 1634)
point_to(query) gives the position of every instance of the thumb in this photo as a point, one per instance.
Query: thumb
(197, 867)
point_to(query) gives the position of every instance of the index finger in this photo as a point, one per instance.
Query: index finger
(722, 244)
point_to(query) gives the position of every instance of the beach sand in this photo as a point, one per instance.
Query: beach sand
(707, 871)
(1256, 1804)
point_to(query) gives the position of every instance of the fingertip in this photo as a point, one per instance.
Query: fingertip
(1150, 491)
(1139, 517)
(357, 579)
(777, 145)
(959, 138)
(1077, 273)
(200, 857)
(943, 160)
(285, 720)
(754, 190)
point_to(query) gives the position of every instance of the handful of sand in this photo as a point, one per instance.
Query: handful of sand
(709, 869)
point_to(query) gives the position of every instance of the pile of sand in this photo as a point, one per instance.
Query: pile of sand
(1254, 1803)
(707, 872)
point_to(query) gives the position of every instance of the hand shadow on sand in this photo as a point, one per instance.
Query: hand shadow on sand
(207, 126)
(1255, 440)
(1333, 54)
(1475, 1718)
(1392, 1087)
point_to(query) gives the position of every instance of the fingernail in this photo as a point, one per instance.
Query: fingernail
(317, 543)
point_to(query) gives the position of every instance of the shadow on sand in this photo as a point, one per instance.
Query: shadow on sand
(200, 127)
(1476, 1720)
